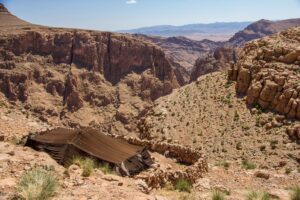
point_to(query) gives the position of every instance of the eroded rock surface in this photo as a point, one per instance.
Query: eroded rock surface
(267, 73)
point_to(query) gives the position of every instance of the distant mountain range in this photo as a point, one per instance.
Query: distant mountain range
(215, 31)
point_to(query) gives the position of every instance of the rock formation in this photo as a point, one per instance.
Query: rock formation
(267, 73)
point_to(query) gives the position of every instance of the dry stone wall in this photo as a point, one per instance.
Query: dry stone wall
(157, 178)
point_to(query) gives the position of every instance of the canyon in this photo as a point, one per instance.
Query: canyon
(222, 115)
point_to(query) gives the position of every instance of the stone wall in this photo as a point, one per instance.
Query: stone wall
(157, 178)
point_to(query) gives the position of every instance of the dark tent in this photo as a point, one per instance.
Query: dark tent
(64, 144)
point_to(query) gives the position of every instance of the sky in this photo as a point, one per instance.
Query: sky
(112, 15)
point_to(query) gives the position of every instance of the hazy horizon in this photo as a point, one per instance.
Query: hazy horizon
(114, 15)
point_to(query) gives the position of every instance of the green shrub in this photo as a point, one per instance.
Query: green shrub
(217, 195)
(295, 194)
(183, 185)
(257, 196)
(86, 164)
(248, 165)
(37, 184)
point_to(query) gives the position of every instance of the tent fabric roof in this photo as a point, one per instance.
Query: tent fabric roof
(92, 142)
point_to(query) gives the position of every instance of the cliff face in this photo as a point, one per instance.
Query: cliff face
(267, 73)
(112, 55)
(80, 77)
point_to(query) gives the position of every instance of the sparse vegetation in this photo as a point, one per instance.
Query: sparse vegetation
(87, 165)
(248, 165)
(37, 184)
(224, 164)
(273, 144)
(217, 195)
(183, 185)
(257, 196)
(295, 193)
(105, 168)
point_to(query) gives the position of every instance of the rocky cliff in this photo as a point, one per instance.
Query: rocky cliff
(63, 75)
(267, 73)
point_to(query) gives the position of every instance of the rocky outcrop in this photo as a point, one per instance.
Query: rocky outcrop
(227, 52)
(268, 73)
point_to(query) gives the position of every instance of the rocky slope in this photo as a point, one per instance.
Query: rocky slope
(7, 19)
(254, 120)
(79, 77)
(261, 29)
(228, 52)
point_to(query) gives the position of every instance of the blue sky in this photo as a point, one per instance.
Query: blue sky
(126, 14)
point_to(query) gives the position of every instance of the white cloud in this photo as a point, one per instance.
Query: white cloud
(131, 1)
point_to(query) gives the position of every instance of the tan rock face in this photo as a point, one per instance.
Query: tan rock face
(111, 54)
(268, 73)
(55, 72)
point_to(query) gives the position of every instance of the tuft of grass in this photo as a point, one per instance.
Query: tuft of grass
(295, 193)
(37, 184)
(224, 164)
(257, 196)
(183, 185)
(105, 168)
(248, 165)
(86, 164)
(217, 195)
